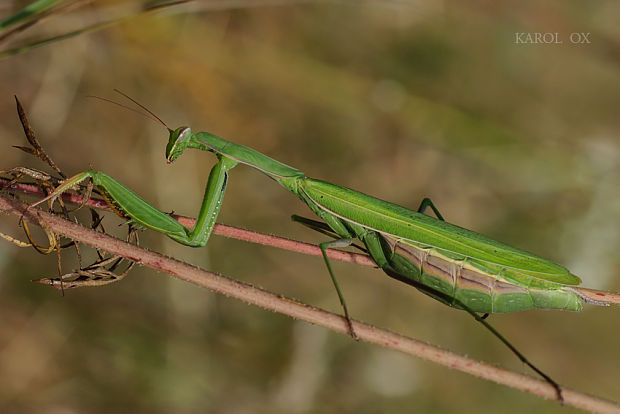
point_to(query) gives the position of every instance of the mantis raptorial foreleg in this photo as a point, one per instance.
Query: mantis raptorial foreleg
(143, 214)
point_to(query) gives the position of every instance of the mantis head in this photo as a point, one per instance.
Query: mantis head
(179, 140)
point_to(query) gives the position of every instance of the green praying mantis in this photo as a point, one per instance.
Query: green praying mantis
(456, 266)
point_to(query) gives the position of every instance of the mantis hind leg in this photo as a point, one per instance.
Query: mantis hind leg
(332, 227)
(328, 245)
(480, 318)
(427, 202)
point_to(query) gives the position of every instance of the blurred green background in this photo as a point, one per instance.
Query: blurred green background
(398, 99)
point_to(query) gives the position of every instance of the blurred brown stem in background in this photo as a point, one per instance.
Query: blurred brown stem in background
(131, 13)
(42, 16)
(297, 310)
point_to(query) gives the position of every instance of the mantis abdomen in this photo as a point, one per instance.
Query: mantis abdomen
(482, 287)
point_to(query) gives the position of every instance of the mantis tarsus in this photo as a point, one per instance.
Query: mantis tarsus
(455, 266)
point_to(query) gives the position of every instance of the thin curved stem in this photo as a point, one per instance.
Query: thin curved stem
(298, 310)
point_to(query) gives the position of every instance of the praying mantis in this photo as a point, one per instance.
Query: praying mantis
(458, 267)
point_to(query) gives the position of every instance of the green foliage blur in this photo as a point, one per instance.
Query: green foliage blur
(398, 99)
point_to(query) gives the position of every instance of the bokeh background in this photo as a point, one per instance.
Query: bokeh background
(398, 99)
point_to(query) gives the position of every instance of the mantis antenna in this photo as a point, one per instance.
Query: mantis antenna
(149, 114)
(143, 107)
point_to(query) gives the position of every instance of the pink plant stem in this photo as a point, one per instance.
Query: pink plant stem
(297, 310)
(270, 240)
